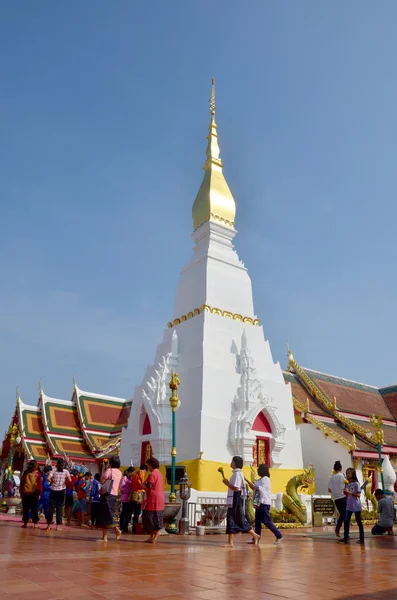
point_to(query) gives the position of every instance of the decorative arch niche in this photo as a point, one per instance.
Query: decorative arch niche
(146, 429)
(261, 448)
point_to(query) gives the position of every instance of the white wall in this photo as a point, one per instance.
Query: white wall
(322, 452)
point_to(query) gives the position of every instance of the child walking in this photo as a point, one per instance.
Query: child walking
(353, 506)
(236, 521)
(261, 501)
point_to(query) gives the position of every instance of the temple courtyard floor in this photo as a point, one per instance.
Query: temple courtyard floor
(308, 564)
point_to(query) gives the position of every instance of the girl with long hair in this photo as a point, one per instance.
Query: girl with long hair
(262, 501)
(110, 483)
(353, 506)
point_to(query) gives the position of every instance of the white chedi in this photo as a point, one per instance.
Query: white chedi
(389, 475)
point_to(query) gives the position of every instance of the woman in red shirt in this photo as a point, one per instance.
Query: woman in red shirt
(154, 504)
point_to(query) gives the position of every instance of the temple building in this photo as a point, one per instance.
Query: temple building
(233, 398)
(360, 419)
(83, 430)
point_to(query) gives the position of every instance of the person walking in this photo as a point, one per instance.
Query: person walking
(69, 499)
(82, 487)
(137, 494)
(154, 504)
(353, 506)
(95, 496)
(261, 501)
(110, 483)
(336, 487)
(236, 521)
(57, 479)
(45, 496)
(30, 488)
(125, 491)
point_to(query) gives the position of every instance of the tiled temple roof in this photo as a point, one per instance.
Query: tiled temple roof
(62, 428)
(350, 396)
(86, 428)
(339, 399)
(32, 431)
(389, 394)
(301, 394)
(102, 418)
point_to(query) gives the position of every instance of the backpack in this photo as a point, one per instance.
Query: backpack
(30, 486)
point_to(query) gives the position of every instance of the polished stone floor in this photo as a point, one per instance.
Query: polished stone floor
(72, 564)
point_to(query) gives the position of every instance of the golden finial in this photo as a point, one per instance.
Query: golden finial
(377, 423)
(354, 443)
(74, 383)
(334, 407)
(173, 385)
(214, 201)
(307, 405)
(17, 393)
(40, 387)
(290, 358)
(212, 99)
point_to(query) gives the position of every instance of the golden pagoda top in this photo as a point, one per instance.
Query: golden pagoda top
(214, 201)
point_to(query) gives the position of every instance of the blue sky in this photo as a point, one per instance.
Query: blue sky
(104, 114)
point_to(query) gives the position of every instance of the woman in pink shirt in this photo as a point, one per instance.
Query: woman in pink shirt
(108, 498)
(127, 507)
(154, 504)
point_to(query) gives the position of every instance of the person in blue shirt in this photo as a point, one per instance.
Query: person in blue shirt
(45, 496)
(96, 486)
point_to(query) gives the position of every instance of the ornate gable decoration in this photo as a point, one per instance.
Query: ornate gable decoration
(102, 419)
(329, 405)
(249, 401)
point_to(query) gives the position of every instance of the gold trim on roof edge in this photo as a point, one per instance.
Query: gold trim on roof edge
(329, 405)
(215, 311)
(325, 430)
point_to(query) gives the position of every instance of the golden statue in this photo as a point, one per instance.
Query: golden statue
(173, 385)
(378, 435)
(174, 382)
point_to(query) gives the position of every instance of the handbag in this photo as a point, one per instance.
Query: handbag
(256, 498)
(136, 497)
(107, 485)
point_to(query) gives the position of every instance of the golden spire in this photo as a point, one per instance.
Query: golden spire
(212, 99)
(214, 201)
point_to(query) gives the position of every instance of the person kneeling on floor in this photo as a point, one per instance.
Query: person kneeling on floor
(386, 514)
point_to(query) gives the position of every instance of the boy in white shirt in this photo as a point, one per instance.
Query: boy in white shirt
(336, 487)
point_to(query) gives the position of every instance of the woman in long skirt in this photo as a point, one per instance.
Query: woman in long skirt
(110, 483)
(154, 503)
(236, 521)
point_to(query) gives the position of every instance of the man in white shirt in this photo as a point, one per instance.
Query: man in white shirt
(236, 520)
(336, 487)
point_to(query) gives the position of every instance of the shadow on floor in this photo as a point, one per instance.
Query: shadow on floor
(389, 594)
